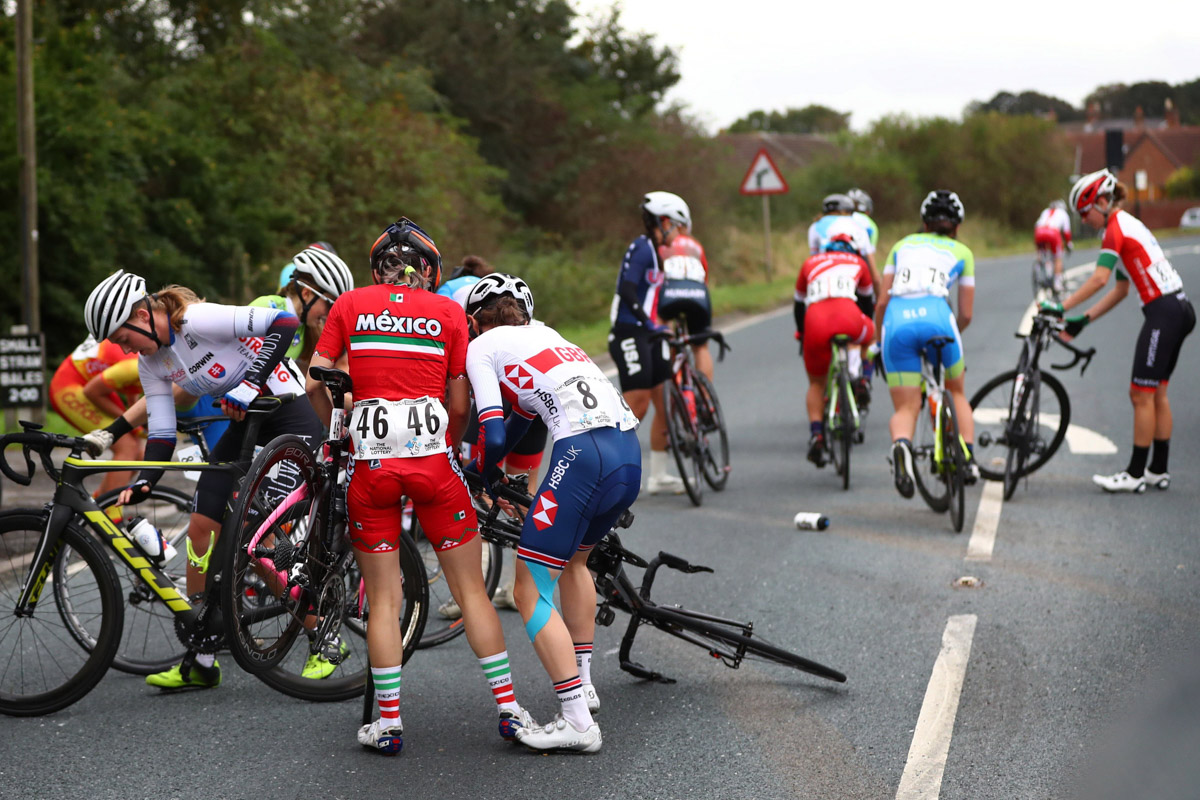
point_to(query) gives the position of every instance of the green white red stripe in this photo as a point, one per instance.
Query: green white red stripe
(384, 344)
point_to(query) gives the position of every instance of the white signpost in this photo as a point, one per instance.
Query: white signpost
(764, 178)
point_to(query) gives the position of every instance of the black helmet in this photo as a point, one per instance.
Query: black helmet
(942, 204)
(406, 239)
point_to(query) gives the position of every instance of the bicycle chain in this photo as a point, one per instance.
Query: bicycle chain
(192, 636)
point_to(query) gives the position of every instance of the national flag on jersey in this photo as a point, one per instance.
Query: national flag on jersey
(545, 511)
(518, 376)
(390, 344)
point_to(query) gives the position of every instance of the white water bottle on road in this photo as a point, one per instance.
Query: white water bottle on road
(811, 521)
(150, 540)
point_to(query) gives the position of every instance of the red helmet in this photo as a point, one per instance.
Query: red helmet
(1089, 187)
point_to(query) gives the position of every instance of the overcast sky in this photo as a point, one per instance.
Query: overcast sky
(874, 57)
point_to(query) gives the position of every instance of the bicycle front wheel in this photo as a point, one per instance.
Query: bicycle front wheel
(445, 621)
(681, 436)
(927, 473)
(712, 427)
(954, 464)
(43, 667)
(1039, 430)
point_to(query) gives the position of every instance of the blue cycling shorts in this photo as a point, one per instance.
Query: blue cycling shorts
(206, 406)
(908, 325)
(591, 479)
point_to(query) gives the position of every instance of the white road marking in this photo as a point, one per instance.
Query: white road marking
(612, 652)
(922, 778)
(1026, 324)
(987, 520)
(1080, 440)
(1189, 249)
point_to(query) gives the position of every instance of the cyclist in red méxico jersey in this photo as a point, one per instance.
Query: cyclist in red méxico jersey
(1169, 318)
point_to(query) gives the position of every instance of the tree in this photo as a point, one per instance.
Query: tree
(1118, 100)
(810, 119)
(1027, 102)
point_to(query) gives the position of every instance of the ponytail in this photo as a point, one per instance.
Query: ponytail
(174, 300)
(1119, 193)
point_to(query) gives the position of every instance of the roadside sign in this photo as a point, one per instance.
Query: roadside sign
(22, 371)
(763, 177)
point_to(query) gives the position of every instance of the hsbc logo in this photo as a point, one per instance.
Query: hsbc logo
(545, 511)
(518, 376)
(217, 371)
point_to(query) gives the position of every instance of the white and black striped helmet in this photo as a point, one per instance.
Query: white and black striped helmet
(110, 304)
(942, 204)
(497, 285)
(323, 271)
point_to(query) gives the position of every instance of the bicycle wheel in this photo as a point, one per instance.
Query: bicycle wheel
(845, 434)
(1043, 428)
(954, 463)
(43, 668)
(445, 620)
(681, 436)
(929, 481)
(149, 643)
(712, 422)
(731, 644)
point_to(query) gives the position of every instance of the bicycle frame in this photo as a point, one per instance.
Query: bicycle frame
(840, 365)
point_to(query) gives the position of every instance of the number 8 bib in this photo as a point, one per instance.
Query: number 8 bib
(398, 428)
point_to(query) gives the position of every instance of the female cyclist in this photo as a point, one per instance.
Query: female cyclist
(595, 476)
(232, 352)
(406, 345)
(914, 308)
(1169, 318)
(318, 277)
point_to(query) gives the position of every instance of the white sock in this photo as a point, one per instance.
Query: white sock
(658, 463)
(206, 659)
(854, 361)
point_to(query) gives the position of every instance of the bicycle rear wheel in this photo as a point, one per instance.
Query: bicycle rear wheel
(712, 423)
(845, 435)
(43, 667)
(929, 480)
(954, 463)
(1041, 430)
(681, 436)
(445, 618)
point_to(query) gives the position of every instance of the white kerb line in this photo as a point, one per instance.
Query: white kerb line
(922, 778)
(987, 520)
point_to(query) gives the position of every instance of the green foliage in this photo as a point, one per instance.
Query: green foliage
(1027, 102)
(1184, 182)
(810, 119)
(1119, 100)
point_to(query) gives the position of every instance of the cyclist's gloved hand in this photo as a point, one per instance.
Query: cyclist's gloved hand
(1051, 307)
(97, 442)
(138, 491)
(242, 395)
(1075, 325)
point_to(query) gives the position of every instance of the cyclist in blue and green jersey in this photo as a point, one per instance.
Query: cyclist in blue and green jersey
(317, 278)
(863, 206)
(917, 278)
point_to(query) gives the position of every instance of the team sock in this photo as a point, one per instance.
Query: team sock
(1137, 461)
(1158, 463)
(574, 706)
(499, 677)
(658, 464)
(868, 369)
(583, 660)
(816, 428)
(387, 694)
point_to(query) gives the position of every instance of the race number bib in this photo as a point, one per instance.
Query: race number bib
(398, 428)
(190, 455)
(684, 268)
(593, 402)
(921, 280)
(828, 286)
(1165, 277)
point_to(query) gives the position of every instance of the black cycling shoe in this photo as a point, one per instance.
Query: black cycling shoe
(862, 394)
(902, 467)
(816, 449)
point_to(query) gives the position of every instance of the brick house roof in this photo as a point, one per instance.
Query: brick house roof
(1180, 145)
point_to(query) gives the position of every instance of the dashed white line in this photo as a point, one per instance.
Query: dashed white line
(987, 520)
(922, 778)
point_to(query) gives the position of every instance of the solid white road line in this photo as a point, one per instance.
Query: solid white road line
(922, 778)
(1080, 440)
(987, 520)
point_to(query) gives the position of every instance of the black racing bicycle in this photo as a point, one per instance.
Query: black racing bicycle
(729, 640)
(1024, 412)
(842, 416)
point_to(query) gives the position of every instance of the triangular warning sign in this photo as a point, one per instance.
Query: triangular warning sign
(763, 177)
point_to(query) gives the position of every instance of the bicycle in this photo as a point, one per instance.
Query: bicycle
(729, 640)
(1043, 276)
(693, 413)
(292, 542)
(440, 629)
(843, 422)
(939, 454)
(1012, 410)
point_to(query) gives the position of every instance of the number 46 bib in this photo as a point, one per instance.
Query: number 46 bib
(398, 428)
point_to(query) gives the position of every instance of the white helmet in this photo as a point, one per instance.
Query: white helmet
(497, 285)
(942, 204)
(671, 206)
(1059, 205)
(862, 200)
(323, 271)
(111, 303)
(1089, 187)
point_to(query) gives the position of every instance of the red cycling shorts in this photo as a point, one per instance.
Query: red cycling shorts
(438, 493)
(1048, 239)
(826, 319)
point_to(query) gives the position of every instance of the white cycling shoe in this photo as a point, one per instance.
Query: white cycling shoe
(511, 723)
(1160, 481)
(1120, 482)
(667, 484)
(593, 699)
(560, 736)
(386, 739)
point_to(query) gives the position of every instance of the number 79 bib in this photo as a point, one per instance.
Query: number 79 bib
(398, 428)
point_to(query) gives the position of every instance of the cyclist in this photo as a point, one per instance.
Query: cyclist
(863, 207)
(232, 352)
(827, 302)
(635, 341)
(596, 476)
(917, 278)
(318, 278)
(685, 291)
(407, 348)
(1168, 319)
(463, 277)
(1051, 233)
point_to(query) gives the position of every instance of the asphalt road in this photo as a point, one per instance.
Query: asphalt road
(1078, 674)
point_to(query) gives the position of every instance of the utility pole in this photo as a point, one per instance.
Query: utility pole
(27, 157)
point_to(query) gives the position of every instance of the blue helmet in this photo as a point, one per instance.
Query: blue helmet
(285, 275)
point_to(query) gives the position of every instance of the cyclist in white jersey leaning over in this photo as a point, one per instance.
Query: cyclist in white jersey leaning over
(594, 475)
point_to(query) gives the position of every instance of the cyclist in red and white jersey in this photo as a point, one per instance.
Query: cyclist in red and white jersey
(685, 291)
(595, 476)
(1169, 318)
(1051, 233)
(406, 345)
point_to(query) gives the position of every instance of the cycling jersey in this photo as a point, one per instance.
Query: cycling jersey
(458, 288)
(683, 259)
(828, 286)
(1053, 227)
(1126, 239)
(868, 225)
(86, 361)
(927, 265)
(282, 303)
(639, 281)
(821, 233)
(685, 285)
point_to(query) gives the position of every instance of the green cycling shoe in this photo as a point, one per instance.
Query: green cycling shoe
(187, 676)
(325, 663)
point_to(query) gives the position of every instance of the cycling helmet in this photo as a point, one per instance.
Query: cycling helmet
(1089, 187)
(111, 303)
(323, 272)
(1060, 205)
(862, 200)
(413, 245)
(326, 246)
(942, 204)
(837, 203)
(285, 275)
(842, 243)
(656, 205)
(496, 285)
